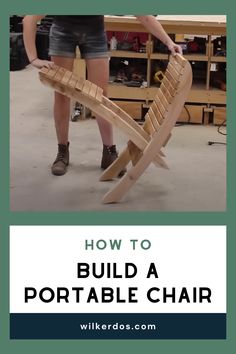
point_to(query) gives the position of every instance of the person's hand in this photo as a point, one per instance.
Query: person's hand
(174, 48)
(39, 63)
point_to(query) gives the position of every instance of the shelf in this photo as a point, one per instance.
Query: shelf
(174, 25)
(127, 54)
(120, 91)
(216, 59)
(190, 57)
(196, 57)
(198, 93)
(201, 94)
(159, 56)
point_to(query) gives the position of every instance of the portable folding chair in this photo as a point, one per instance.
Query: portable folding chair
(145, 143)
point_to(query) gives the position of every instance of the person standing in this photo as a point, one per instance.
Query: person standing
(88, 33)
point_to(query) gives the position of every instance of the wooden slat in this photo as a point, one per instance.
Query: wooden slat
(171, 79)
(52, 72)
(178, 67)
(44, 70)
(149, 125)
(157, 112)
(163, 100)
(166, 92)
(93, 90)
(153, 119)
(99, 94)
(173, 72)
(180, 59)
(160, 105)
(86, 87)
(59, 75)
(66, 77)
(169, 86)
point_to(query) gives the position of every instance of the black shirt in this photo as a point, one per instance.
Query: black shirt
(94, 21)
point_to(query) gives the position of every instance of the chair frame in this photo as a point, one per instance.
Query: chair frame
(145, 143)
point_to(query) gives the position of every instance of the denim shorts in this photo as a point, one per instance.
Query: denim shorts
(64, 39)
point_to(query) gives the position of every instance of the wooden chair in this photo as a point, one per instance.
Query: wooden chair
(145, 143)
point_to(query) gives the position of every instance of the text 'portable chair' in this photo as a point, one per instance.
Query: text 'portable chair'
(145, 143)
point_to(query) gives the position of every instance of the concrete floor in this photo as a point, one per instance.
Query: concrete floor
(196, 180)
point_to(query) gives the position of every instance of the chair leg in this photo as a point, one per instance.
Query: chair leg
(127, 181)
(135, 152)
(117, 166)
(122, 161)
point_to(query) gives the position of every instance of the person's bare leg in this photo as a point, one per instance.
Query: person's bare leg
(62, 104)
(98, 73)
(61, 119)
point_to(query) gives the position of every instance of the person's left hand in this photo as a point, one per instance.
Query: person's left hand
(175, 48)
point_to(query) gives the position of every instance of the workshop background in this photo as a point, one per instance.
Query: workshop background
(196, 153)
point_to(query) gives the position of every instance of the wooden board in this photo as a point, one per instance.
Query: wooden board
(195, 114)
(219, 115)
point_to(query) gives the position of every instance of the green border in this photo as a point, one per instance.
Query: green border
(7, 217)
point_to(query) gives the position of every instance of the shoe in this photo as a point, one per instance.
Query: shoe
(109, 155)
(59, 166)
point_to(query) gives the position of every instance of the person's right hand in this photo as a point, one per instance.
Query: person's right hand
(39, 63)
(174, 48)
